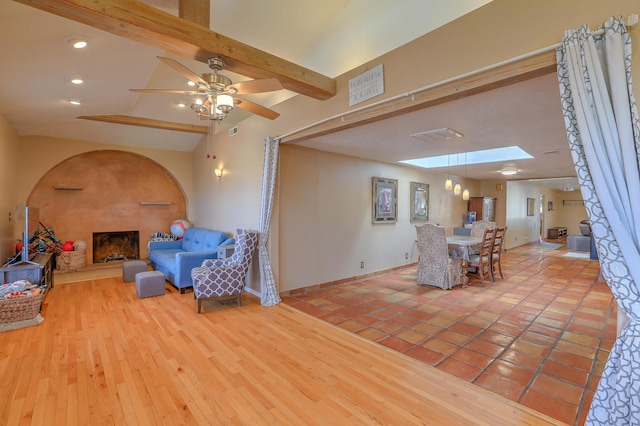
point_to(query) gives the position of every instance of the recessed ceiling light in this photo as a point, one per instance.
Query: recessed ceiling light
(191, 83)
(74, 101)
(181, 104)
(78, 42)
(75, 79)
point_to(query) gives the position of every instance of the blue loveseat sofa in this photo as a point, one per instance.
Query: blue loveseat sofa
(176, 259)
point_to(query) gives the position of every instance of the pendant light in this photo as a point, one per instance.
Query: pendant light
(465, 193)
(448, 184)
(457, 189)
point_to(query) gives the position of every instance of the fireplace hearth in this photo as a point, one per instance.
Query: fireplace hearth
(115, 246)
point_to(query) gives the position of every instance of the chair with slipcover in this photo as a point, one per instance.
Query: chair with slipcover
(483, 260)
(225, 278)
(435, 267)
(496, 251)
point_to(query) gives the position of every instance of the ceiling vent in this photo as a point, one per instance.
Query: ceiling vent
(437, 135)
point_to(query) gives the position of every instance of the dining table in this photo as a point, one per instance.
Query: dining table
(459, 246)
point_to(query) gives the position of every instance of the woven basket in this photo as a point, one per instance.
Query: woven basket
(19, 309)
(71, 260)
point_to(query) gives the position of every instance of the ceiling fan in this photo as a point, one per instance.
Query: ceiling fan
(215, 95)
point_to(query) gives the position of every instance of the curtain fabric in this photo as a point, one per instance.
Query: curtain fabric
(269, 292)
(603, 129)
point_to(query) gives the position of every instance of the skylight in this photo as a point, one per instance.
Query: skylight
(494, 155)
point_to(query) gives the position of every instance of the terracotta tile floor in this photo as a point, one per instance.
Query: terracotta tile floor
(540, 336)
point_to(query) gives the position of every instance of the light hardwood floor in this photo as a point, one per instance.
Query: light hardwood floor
(104, 356)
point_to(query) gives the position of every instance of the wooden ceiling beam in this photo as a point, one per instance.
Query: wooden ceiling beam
(140, 22)
(196, 11)
(147, 122)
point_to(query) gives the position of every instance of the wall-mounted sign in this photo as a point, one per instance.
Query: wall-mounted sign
(367, 85)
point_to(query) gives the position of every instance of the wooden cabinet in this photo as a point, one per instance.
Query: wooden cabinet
(557, 232)
(38, 271)
(484, 208)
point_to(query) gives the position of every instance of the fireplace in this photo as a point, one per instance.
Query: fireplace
(113, 246)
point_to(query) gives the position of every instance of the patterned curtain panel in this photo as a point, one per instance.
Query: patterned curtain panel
(269, 291)
(604, 136)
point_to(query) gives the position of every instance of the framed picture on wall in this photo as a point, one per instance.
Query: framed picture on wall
(419, 193)
(385, 200)
(531, 204)
(549, 206)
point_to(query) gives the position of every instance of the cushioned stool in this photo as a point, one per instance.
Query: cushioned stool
(579, 243)
(150, 283)
(131, 268)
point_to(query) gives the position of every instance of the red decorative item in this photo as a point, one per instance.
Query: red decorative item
(68, 246)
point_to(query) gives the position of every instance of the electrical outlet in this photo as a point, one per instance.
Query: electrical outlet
(406, 255)
(361, 265)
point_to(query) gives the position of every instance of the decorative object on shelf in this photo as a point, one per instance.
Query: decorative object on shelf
(531, 202)
(419, 193)
(385, 200)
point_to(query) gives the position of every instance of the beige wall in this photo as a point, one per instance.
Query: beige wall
(568, 214)
(10, 175)
(326, 227)
(41, 154)
(501, 30)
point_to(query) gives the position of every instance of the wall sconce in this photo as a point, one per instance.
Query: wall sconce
(218, 173)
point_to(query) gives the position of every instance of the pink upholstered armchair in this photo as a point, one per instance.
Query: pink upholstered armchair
(224, 278)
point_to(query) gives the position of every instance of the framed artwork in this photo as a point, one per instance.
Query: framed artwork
(385, 200)
(531, 202)
(419, 201)
(549, 206)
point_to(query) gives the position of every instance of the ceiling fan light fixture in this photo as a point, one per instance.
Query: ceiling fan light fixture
(224, 103)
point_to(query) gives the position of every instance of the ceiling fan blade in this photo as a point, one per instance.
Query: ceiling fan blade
(257, 86)
(180, 92)
(186, 72)
(256, 109)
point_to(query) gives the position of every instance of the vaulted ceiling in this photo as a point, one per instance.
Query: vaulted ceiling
(304, 44)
